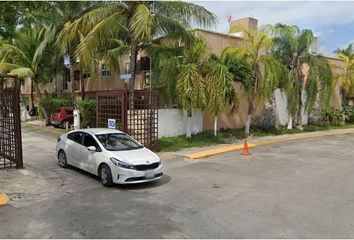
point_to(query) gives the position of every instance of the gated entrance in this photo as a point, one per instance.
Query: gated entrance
(135, 113)
(10, 123)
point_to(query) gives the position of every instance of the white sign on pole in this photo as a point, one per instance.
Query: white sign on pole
(125, 76)
(111, 123)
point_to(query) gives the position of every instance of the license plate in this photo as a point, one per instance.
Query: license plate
(149, 174)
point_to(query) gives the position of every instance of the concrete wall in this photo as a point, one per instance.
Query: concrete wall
(173, 122)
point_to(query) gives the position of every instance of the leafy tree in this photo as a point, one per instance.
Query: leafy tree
(198, 78)
(65, 13)
(257, 73)
(27, 57)
(291, 45)
(135, 23)
(347, 55)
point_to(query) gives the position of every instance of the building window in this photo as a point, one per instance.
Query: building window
(77, 75)
(85, 74)
(66, 79)
(105, 70)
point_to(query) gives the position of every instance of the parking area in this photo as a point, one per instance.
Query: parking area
(299, 189)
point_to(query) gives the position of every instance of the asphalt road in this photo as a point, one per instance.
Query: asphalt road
(300, 189)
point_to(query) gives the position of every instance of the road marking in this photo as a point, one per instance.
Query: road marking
(3, 199)
(211, 152)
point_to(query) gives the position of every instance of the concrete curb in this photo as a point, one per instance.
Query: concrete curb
(269, 140)
(3, 199)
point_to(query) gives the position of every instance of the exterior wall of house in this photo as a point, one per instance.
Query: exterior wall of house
(227, 120)
(249, 24)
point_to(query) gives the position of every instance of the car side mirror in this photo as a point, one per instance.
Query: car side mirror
(92, 148)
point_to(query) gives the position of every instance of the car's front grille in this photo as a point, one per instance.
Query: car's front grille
(133, 179)
(147, 167)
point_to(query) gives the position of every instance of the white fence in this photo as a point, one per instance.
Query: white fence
(173, 122)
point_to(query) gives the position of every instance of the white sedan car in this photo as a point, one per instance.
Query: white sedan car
(110, 154)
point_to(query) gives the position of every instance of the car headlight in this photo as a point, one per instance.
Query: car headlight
(121, 164)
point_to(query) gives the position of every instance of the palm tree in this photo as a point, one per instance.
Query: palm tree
(256, 72)
(65, 13)
(197, 78)
(347, 55)
(220, 90)
(291, 45)
(119, 28)
(28, 57)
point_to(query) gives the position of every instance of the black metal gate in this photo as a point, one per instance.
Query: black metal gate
(135, 113)
(10, 123)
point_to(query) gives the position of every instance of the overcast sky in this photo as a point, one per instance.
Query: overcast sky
(331, 21)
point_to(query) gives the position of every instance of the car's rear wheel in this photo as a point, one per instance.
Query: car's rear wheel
(106, 176)
(62, 159)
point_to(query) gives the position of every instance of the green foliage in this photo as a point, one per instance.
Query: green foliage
(291, 45)
(267, 119)
(198, 79)
(333, 117)
(347, 55)
(48, 106)
(136, 24)
(88, 113)
(349, 113)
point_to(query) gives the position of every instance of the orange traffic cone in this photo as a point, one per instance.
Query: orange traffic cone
(245, 148)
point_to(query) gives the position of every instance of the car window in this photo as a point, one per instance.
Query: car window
(118, 142)
(76, 137)
(89, 141)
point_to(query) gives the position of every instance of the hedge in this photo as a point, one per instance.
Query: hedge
(48, 106)
(88, 113)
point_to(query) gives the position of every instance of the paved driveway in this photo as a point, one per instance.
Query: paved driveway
(298, 189)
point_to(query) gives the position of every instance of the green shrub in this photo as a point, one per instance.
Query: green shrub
(88, 113)
(48, 106)
(332, 117)
(349, 113)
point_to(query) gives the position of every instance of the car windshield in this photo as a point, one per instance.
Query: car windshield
(118, 142)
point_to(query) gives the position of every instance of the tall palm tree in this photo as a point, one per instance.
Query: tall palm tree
(220, 90)
(65, 13)
(347, 55)
(291, 45)
(195, 77)
(257, 72)
(28, 57)
(119, 28)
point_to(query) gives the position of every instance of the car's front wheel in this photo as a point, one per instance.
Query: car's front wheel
(62, 159)
(106, 175)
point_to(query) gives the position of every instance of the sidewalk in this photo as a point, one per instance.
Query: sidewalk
(195, 153)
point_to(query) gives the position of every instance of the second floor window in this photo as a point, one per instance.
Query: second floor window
(105, 70)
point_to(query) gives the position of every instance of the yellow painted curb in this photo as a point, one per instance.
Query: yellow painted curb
(211, 152)
(3, 199)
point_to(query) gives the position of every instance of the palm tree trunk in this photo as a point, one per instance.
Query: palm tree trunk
(290, 122)
(82, 85)
(189, 125)
(38, 90)
(215, 125)
(71, 73)
(249, 117)
(133, 58)
(32, 95)
(299, 115)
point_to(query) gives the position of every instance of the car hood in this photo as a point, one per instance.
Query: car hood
(136, 157)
